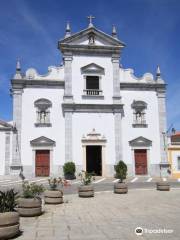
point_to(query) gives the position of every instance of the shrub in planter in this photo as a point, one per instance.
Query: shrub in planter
(69, 169)
(121, 174)
(54, 195)
(9, 219)
(30, 204)
(86, 189)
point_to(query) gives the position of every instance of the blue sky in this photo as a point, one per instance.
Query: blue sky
(30, 29)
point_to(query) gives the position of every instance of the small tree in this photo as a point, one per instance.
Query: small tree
(69, 169)
(121, 170)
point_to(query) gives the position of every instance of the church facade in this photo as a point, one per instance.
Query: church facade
(90, 110)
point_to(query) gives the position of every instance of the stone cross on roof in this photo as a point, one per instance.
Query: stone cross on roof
(90, 20)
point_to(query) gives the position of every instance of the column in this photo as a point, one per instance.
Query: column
(68, 78)
(161, 94)
(7, 153)
(16, 141)
(118, 137)
(68, 137)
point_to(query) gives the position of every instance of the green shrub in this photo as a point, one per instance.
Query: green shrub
(121, 170)
(31, 190)
(69, 168)
(8, 200)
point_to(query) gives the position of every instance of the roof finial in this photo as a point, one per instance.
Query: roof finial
(90, 20)
(158, 75)
(18, 74)
(158, 72)
(68, 30)
(114, 33)
(18, 66)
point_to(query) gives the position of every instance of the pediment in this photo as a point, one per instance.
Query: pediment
(140, 142)
(42, 141)
(101, 38)
(92, 68)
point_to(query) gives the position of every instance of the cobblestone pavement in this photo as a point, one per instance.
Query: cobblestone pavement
(107, 216)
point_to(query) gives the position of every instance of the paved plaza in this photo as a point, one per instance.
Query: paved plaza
(108, 216)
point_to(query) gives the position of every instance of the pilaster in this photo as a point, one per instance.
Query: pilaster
(161, 95)
(68, 97)
(116, 80)
(118, 137)
(7, 153)
(68, 137)
(16, 140)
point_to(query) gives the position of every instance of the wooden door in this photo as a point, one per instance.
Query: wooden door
(42, 163)
(140, 161)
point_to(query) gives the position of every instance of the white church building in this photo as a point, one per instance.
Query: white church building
(90, 110)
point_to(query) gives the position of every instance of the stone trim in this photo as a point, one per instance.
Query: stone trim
(139, 125)
(101, 108)
(93, 97)
(7, 153)
(93, 68)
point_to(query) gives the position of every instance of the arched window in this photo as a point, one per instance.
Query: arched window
(43, 112)
(139, 113)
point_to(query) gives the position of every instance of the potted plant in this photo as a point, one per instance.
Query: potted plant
(54, 195)
(9, 219)
(69, 169)
(30, 204)
(86, 189)
(163, 185)
(121, 174)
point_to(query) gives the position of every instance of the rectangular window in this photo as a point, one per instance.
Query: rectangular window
(178, 163)
(92, 82)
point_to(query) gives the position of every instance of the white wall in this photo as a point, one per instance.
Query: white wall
(30, 132)
(78, 80)
(2, 152)
(151, 132)
(83, 124)
(175, 155)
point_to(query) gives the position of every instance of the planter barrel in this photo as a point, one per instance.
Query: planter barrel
(29, 207)
(163, 186)
(120, 188)
(9, 225)
(53, 197)
(86, 191)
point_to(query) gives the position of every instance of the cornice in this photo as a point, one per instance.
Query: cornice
(93, 108)
(143, 86)
(24, 83)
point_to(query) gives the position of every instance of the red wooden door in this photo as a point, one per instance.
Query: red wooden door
(140, 161)
(42, 163)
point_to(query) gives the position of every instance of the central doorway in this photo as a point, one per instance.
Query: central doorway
(94, 160)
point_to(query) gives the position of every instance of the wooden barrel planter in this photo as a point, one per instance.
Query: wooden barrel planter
(9, 225)
(53, 197)
(163, 186)
(86, 191)
(29, 207)
(120, 188)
